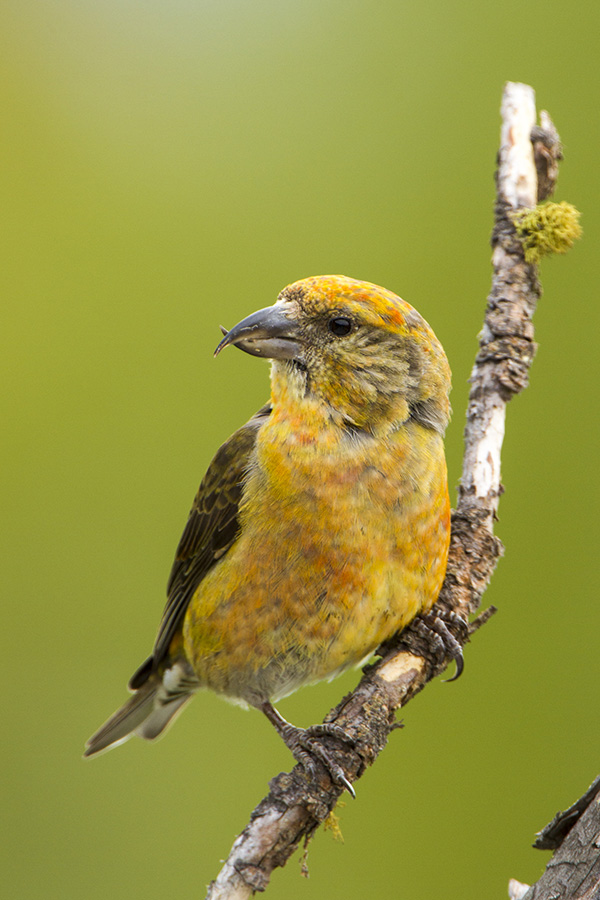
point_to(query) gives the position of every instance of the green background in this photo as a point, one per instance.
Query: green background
(167, 167)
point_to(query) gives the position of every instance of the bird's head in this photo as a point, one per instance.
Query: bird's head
(355, 348)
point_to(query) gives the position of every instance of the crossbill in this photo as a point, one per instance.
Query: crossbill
(322, 525)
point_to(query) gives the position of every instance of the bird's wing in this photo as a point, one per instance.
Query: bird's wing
(212, 527)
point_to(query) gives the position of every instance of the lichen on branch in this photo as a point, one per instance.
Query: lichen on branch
(547, 229)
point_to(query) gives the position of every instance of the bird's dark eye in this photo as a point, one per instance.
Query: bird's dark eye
(340, 326)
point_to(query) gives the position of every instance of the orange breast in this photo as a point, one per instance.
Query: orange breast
(344, 540)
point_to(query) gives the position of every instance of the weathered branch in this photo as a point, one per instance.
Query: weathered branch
(573, 873)
(552, 836)
(295, 806)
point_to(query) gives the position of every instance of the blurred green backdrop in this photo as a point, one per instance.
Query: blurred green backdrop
(167, 168)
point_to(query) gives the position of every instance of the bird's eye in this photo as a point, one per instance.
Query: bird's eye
(340, 326)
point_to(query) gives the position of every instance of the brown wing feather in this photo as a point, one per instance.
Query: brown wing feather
(212, 527)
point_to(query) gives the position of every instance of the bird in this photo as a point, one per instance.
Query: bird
(321, 527)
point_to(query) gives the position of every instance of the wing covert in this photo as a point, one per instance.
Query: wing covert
(211, 529)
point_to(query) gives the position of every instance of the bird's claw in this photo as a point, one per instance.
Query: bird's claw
(435, 630)
(329, 729)
(305, 746)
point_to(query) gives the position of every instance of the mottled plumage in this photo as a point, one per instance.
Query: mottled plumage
(321, 527)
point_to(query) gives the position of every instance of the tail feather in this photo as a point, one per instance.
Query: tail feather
(146, 714)
(161, 716)
(123, 723)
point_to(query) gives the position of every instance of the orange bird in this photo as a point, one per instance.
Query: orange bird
(322, 525)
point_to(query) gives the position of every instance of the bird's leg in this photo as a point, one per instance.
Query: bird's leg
(432, 632)
(305, 747)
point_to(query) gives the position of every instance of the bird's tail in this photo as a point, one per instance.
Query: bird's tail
(147, 713)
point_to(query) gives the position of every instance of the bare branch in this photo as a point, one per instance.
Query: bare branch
(552, 836)
(573, 873)
(295, 806)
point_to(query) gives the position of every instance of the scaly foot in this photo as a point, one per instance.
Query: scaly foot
(305, 746)
(432, 635)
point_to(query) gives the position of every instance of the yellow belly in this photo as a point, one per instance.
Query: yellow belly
(343, 541)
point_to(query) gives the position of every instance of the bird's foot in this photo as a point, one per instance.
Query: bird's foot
(437, 635)
(307, 748)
